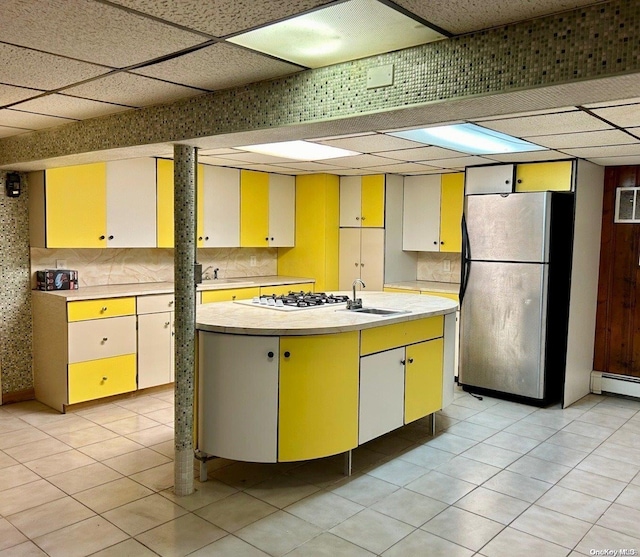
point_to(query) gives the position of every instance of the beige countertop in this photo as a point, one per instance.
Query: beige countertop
(239, 318)
(426, 286)
(147, 288)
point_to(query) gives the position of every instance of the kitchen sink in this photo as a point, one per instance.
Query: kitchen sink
(376, 311)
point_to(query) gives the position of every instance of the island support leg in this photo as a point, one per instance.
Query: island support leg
(347, 463)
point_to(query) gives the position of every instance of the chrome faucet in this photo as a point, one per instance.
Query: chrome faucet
(356, 303)
(206, 276)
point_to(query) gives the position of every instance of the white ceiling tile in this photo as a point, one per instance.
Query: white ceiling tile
(582, 139)
(6, 131)
(531, 156)
(221, 151)
(625, 116)
(39, 70)
(11, 94)
(617, 161)
(613, 103)
(564, 122)
(254, 158)
(341, 136)
(422, 154)
(77, 29)
(604, 151)
(521, 114)
(360, 161)
(310, 166)
(270, 168)
(27, 120)
(459, 162)
(216, 161)
(221, 17)
(69, 107)
(216, 67)
(371, 143)
(131, 90)
(405, 167)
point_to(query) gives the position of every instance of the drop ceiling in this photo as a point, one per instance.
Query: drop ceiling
(70, 60)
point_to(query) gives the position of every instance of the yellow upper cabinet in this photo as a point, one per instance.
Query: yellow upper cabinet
(93, 205)
(432, 212)
(267, 209)
(362, 201)
(75, 206)
(545, 176)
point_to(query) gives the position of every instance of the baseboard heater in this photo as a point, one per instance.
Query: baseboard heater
(614, 383)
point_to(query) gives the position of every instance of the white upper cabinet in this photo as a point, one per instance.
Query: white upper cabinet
(131, 207)
(421, 226)
(350, 201)
(282, 209)
(221, 211)
(489, 179)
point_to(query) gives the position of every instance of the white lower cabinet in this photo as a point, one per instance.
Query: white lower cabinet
(155, 349)
(381, 394)
(239, 380)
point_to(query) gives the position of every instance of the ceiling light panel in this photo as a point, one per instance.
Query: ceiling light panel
(341, 32)
(298, 150)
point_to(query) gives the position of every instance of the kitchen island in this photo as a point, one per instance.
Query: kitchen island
(282, 385)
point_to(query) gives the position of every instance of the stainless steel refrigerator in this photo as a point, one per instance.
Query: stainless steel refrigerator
(514, 294)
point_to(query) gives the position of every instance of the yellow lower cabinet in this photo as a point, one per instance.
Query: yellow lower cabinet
(229, 295)
(100, 378)
(378, 339)
(449, 295)
(101, 308)
(400, 290)
(423, 379)
(318, 398)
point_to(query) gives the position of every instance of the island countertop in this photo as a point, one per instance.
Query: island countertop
(243, 319)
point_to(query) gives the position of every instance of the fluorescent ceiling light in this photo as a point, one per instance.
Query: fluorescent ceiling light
(470, 139)
(341, 32)
(299, 150)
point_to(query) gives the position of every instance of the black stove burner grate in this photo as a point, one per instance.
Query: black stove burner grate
(303, 299)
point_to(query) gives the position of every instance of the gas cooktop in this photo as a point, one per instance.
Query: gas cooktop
(294, 301)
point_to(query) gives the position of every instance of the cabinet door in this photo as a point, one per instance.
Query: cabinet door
(421, 215)
(155, 359)
(164, 169)
(76, 210)
(545, 176)
(131, 198)
(221, 207)
(489, 179)
(350, 201)
(423, 382)
(381, 394)
(282, 209)
(372, 201)
(372, 258)
(254, 209)
(238, 378)
(349, 258)
(451, 203)
(318, 399)
(99, 378)
(229, 295)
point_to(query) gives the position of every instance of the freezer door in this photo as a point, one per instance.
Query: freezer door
(509, 227)
(503, 328)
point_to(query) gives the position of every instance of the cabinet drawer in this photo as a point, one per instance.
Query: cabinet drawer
(155, 303)
(286, 288)
(100, 378)
(400, 334)
(98, 309)
(101, 338)
(209, 296)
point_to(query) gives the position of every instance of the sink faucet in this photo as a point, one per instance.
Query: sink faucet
(356, 303)
(205, 276)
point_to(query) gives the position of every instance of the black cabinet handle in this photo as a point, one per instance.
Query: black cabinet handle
(287, 354)
(403, 362)
(435, 243)
(111, 237)
(206, 237)
(101, 237)
(200, 238)
(270, 354)
(410, 360)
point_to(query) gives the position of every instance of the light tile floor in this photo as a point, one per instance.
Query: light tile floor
(498, 479)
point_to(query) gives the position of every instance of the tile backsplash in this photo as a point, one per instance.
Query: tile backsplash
(431, 266)
(133, 265)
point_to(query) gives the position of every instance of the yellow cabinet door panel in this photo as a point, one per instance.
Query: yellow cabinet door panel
(423, 379)
(100, 378)
(76, 206)
(451, 201)
(165, 203)
(254, 209)
(318, 399)
(372, 201)
(378, 339)
(400, 290)
(543, 176)
(228, 295)
(286, 288)
(98, 309)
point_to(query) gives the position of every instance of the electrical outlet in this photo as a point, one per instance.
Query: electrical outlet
(61, 263)
(253, 262)
(446, 265)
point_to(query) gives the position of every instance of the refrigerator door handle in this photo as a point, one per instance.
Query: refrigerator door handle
(466, 260)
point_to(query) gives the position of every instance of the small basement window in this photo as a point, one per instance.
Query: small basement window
(627, 205)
